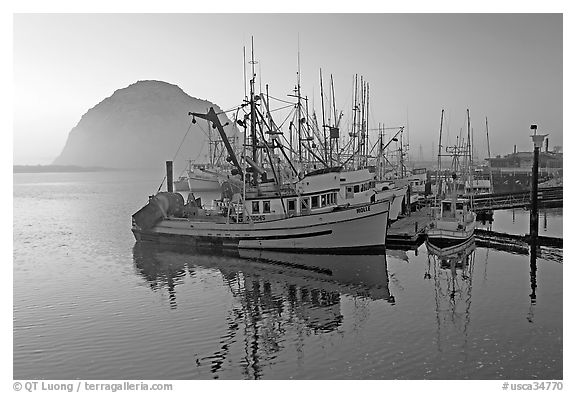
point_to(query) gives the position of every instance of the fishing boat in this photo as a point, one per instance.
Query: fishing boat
(204, 178)
(453, 219)
(310, 220)
(453, 224)
(181, 184)
(455, 253)
(300, 213)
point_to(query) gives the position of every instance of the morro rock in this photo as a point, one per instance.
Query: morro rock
(141, 126)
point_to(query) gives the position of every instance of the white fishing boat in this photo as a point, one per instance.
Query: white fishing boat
(388, 189)
(453, 220)
(463, 248)
(453, 223)
(201, 178)
(181, 184)
(312, 222)
(271, 213)
(360, 186)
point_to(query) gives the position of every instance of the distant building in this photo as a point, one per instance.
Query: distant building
(549, 161)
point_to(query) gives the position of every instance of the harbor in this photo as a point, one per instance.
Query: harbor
(288, 196)
(246, 315)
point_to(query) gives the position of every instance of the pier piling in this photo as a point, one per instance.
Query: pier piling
(169, 177)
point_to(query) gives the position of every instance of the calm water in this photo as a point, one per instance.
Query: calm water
(91, 304)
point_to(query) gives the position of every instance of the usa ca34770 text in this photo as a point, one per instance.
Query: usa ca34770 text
(536, 386)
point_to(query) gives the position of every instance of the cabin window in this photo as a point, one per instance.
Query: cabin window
(305, 205)
(349, 193)
(356, 188)
(323, 200)
(447, 207)
(266, 207)
(255, 207)
(291, 206)
(460, 206)
(315, 202)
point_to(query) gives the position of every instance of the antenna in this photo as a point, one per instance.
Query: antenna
(244, 54)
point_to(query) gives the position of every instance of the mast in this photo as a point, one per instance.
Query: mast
(299, 108)
(470, 179)
(439, 155)
(489, 163)
(323, 119)
(333, 129)
(362, 130)
(244, 55)
(402, 174)
(367, 127)
(354, 108)
(253, 110)
(210, 155)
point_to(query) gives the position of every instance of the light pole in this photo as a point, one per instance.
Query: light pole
(537, 140)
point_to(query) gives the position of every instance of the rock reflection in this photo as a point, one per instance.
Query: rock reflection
(275, 295)
(452, 273)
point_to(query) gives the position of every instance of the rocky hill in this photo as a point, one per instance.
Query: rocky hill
(140, 126)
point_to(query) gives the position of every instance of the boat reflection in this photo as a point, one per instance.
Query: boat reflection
(275, 294)
(452, 273)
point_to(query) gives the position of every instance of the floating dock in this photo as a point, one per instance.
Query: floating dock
(409, 231)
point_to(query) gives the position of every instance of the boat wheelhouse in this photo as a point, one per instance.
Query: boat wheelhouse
(453, 223)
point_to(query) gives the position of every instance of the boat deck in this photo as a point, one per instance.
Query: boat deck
(408, 230)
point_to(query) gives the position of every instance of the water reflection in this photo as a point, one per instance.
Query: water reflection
(275, 295)
(452, 273)
(534, 251)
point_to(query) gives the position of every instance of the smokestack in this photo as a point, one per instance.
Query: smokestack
(546, 145)
(169, 176)
(514, 149)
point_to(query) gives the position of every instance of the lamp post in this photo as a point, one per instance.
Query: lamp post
(537, 140)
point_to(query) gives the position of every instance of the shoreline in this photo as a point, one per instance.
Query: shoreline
(57, 168)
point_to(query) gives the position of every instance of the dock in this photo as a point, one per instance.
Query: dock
(547, 197)
(408, 230)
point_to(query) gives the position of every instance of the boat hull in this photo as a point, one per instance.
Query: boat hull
(181, 185)
(445, 238)
(202, 184)
(398, 195)
(446, 252)
(357, 229)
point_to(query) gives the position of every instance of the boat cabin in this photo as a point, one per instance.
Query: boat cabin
(356, 187)
(314, 194)
(457, 209)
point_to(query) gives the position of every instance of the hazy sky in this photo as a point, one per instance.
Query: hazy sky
(507, 67)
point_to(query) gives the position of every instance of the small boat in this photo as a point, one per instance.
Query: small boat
(181, 184)
(453, 219)
(202, 178)
(453, 223)
(463, 248)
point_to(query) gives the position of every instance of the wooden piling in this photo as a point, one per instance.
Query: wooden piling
(169, 177)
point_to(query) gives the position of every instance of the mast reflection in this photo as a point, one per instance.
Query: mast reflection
(275, 294)
(452, 273)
